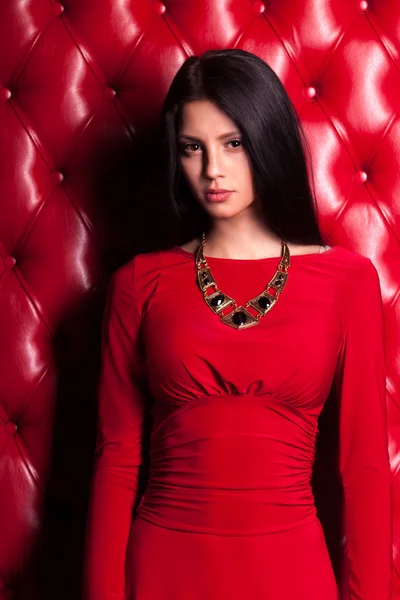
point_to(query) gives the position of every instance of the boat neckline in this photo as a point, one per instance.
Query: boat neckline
(310, 255)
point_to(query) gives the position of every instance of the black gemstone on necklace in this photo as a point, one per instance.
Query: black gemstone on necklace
(239, 318)
(264, 302)
(205, 279)
(218, 300)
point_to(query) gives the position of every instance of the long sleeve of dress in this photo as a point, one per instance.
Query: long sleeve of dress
(118, 448)
(364, 462)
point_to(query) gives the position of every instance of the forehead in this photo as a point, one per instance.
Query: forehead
(202, 117)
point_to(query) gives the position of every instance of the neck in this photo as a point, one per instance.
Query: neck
(242, 241)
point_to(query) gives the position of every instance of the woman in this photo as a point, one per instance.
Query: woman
(233, 339)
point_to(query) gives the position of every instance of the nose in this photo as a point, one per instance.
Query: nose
(213, 163)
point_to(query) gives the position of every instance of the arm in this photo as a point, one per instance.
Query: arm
(118, 448)
(363, 444)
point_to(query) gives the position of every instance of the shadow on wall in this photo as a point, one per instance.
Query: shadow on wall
(129, 219)
(134, 213)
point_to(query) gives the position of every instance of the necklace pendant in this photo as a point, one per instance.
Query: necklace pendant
(263, 303)
(205, 279)
(279, 281)
(218, 301)
(240, 318)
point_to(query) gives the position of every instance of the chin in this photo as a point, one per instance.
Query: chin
(224, 211)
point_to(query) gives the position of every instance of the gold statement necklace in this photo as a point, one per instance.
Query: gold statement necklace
(241, 317)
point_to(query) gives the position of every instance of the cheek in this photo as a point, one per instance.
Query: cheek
(244, 172)
(191, 171)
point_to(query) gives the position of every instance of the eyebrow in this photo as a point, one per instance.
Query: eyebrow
(220, 137)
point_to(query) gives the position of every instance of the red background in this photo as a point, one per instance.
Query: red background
(81, 83)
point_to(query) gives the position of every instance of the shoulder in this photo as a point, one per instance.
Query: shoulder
(148, 266)
(355, 279)
(355, 268)
(140, 276)
(359, 287)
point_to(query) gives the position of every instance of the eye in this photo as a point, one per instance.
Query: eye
(236, 143)
(190, 147)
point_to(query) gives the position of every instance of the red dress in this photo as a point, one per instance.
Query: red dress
(228, 512)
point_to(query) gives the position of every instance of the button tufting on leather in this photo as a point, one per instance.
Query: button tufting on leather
(258, 7)
(361, 177)
(309, 92)
(57, 9)
(57, 177)
(9, 262)
(160, 8)
(109, 93)
(5, 94)
(11, 428)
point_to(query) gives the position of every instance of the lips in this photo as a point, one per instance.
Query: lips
(218, 195)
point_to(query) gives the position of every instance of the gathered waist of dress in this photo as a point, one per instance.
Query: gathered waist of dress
(231, 465)
(224, 512)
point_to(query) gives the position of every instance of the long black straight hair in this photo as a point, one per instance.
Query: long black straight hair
(246, 89)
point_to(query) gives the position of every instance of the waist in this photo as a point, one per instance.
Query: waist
(227, 512)
(231, 465)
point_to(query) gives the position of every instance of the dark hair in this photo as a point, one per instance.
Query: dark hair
(244, 87)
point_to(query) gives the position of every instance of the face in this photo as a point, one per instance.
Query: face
(212, 156)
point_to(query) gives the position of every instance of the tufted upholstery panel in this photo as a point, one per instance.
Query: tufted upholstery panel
(81, 82)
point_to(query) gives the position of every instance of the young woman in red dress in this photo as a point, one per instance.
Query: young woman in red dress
(229, 344)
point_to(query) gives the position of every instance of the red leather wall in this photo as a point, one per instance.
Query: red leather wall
(80, 82)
